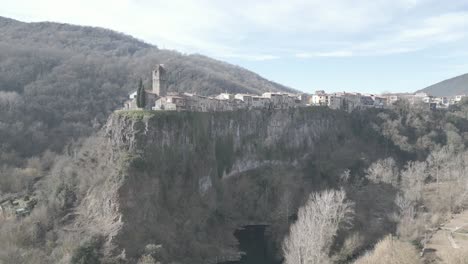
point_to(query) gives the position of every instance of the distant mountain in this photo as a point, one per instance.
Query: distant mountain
(60, 81)
(449, 87)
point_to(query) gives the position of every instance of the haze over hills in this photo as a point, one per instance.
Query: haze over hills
(58, 81)
(450, 87)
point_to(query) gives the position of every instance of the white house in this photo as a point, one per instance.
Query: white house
(132, 95)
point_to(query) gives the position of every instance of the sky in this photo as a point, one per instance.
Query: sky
(368, 46)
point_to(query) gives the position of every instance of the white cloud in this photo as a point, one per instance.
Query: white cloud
(403, 38)
(263, 29)
(253, 57)
(441, 28)
(338, 53)
(338, 16)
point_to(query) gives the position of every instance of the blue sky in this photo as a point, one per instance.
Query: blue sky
(334, 45)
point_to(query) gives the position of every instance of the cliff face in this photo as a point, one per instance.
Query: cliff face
(187, 180)
(219, 145)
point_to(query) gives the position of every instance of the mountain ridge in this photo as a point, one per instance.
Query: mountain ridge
(450, 87)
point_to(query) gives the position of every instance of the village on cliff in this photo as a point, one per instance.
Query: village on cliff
(159, 99)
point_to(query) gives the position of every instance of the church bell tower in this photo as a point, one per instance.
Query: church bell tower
(159, 81)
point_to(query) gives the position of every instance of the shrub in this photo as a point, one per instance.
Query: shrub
(88, 252)
(391, 251)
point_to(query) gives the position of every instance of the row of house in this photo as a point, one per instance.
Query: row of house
(227, 102)
(435, 102)
(352, 101)
(347, 101)
(159, 99)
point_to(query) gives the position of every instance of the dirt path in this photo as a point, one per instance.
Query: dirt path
(450, 239)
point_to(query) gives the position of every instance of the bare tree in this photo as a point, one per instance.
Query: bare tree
(383, 171)
(405, 206)
(437, 161)
(406, 217)
(454, 189)
(412, 180)
(9, 100)
(311, 236)
(345, 176)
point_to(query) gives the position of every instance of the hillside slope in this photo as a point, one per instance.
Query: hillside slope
(450, 87)
(194, 73)
(60, 81)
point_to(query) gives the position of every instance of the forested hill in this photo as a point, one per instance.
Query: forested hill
(195, 73)
(64, 36)
(60, 81)
(449, 87)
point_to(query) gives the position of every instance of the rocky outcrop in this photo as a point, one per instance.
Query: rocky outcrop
(187, 180)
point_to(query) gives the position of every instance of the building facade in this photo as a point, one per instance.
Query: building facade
(158, 98)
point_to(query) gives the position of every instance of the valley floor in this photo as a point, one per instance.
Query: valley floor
(450, 242)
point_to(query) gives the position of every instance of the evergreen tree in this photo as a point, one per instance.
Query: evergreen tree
(138, 95)
(141, 95)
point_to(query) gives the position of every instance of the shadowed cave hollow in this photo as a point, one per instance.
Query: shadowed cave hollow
(254, 245)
